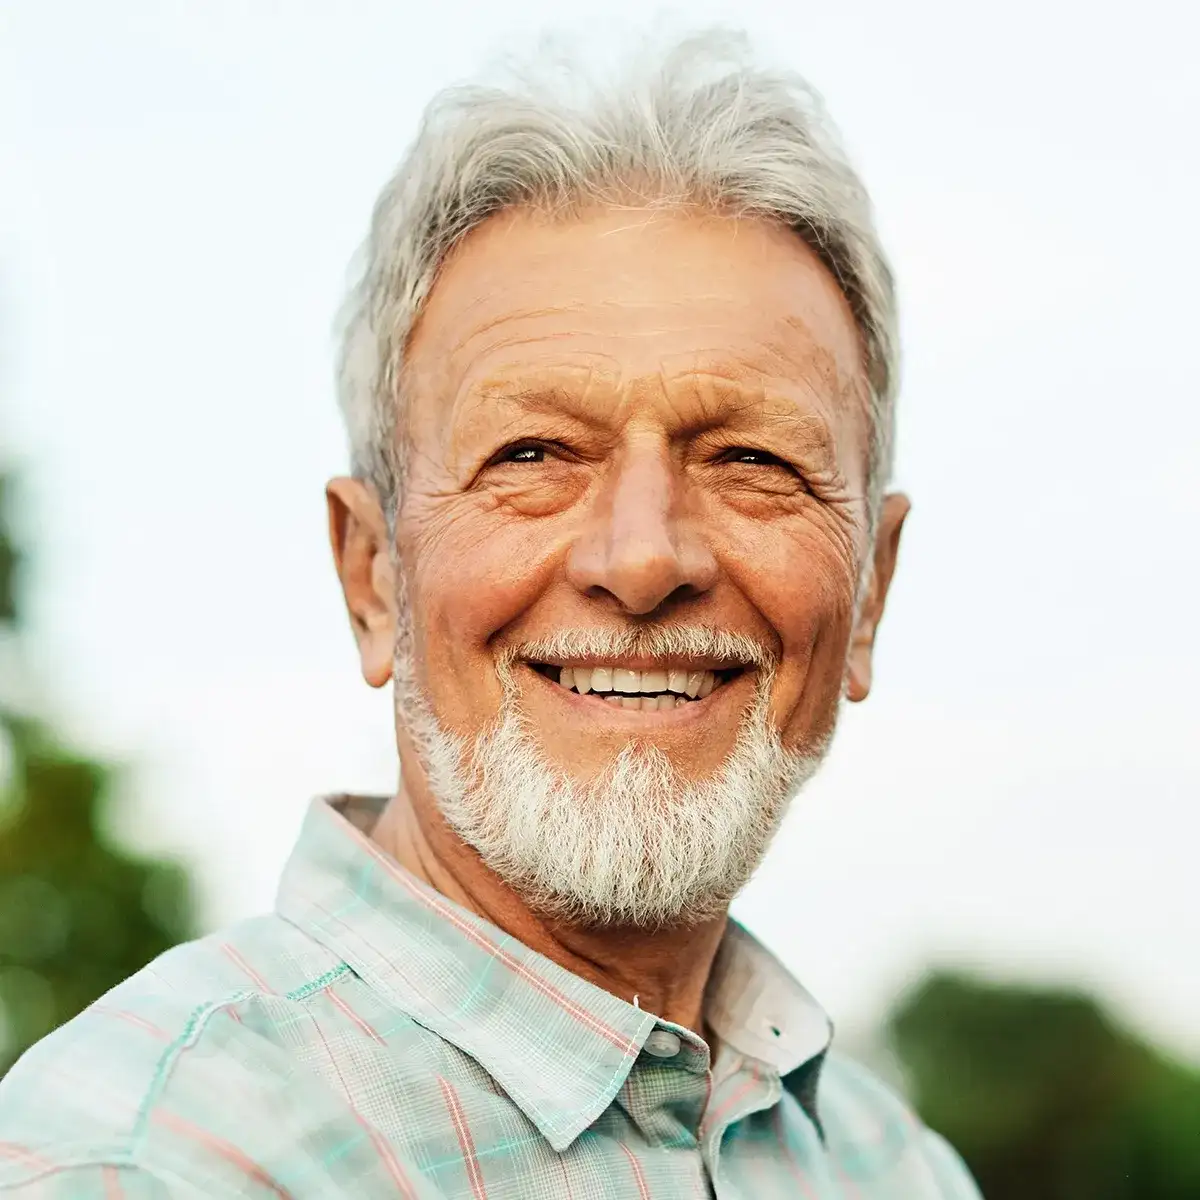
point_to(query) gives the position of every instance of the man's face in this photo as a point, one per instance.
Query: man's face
(634, 522)
(631, 419)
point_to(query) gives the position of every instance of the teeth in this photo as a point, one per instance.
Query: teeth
(627, 681)
(650, 691)
(653, 681)
(617, 700)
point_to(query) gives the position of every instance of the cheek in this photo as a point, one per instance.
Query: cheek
(471, 574)
(803, 584)
(801, 575)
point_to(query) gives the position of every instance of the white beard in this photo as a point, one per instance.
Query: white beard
(640, 844)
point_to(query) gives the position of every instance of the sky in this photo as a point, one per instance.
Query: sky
(182, 188)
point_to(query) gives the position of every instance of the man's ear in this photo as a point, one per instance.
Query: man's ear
(862, 642)
(361, 554)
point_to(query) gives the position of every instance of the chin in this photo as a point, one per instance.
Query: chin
(639, 841)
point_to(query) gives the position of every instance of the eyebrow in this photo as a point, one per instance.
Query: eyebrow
(550, 399)
(745, 403)
(749, 404)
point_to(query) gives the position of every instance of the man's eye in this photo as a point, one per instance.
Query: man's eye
(746, 454)
(523, 454)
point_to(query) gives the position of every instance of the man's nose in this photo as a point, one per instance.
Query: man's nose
(638, 546)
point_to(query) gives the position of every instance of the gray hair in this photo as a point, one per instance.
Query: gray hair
(700, 125)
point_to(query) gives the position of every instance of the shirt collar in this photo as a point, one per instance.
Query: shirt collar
(559, 1046)
(754, 1005)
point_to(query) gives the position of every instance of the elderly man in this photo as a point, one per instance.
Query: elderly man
(619, 379)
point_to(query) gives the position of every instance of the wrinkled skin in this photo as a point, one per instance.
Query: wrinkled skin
(622, 417)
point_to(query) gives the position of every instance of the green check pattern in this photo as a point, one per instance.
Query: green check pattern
(372, 1039)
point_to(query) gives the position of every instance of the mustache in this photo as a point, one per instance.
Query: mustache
(647, 641)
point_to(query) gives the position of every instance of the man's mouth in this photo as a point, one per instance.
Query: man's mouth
(655, 690)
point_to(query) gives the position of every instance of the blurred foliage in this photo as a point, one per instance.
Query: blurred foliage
(1045, 1096)
(77, 913)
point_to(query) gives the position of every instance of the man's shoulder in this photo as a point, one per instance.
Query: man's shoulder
(107, 1085)
(873, 1135)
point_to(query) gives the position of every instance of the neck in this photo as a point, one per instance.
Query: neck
(663, 970)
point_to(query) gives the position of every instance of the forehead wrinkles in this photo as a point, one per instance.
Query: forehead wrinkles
(787, 349)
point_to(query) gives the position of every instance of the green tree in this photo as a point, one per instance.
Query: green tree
(1046, 1096)
(77, 912)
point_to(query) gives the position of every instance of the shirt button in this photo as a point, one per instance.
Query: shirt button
(662, 1043)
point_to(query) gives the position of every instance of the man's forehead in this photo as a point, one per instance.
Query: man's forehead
(577, 368)
(593, 312)
(673, 275)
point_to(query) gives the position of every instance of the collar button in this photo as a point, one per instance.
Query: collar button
(662, 1043)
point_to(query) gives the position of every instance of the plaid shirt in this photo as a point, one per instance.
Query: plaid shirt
(372, 1039)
